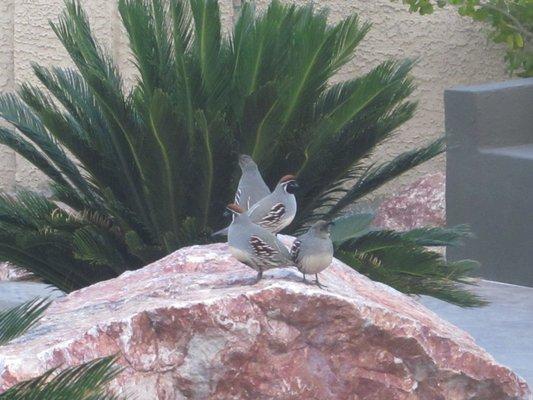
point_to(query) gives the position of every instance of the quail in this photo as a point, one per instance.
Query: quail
(312, 252)
(252, 187)
(275, 211)
(253, 245)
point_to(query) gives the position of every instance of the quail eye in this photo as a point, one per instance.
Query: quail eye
(292, 186)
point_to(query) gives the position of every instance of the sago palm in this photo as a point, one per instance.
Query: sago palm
(139, 172)
(85, 382)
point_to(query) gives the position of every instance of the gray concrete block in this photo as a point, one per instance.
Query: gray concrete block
(490, 176)
(495, 114)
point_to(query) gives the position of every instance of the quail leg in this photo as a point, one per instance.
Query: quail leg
(318, 283)
(305, 280)
(259, 275)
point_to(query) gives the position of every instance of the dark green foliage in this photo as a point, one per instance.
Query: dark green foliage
(439, 236)
(398, 260)
(15, 321)
(154, 166)
(84, 382)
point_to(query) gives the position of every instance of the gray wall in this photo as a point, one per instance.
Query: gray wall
(490, 176)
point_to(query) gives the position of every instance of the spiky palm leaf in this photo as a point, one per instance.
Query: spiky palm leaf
(156, 163)
(399, 260)
(17, 320)
(85, 382)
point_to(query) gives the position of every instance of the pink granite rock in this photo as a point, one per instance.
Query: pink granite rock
(9, 272)
(420, 204)
(193, 326)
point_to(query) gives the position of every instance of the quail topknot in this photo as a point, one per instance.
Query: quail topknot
(252, 187)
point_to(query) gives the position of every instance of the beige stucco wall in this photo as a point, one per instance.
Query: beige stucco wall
(451, 51)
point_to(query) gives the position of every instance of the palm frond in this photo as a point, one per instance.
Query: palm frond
(378, 175)
(146, 26)
(85, 382)
(82, 128)
(37, 234)
(207, 50)
(102, 76)
(437, 236)
(15, 112)
(402, 263)
(29, 152)
(187, 81)
(349, 123)
(17, 320)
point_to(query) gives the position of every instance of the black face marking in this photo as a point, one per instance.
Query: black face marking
(291, 186)
(274, 216)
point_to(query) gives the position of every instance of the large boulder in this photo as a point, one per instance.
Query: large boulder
(194, 326)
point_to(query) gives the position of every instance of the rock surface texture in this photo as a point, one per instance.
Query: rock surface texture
(9, 272)
(420, 204)
(193, 326)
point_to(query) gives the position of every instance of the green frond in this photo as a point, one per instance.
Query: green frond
(17, 320)
(102, 76)
(14, 111)
(349, 122)
(437, 236)
(82, 129)
(204, 154)
(64, 132)
(85, 382)
(187, 77)
(377, 176)
(29, 152)
(207, 48)
(350, 32)
(146, 26)
(402, 263)
(97, 246)
(163, 122)
(37, 234)
(72, 92)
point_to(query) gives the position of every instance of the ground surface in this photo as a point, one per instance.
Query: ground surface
(14, 293)
(504, 328)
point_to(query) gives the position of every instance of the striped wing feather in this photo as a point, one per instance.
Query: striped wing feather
(238, 197)
(274, 216)
(262, 249)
